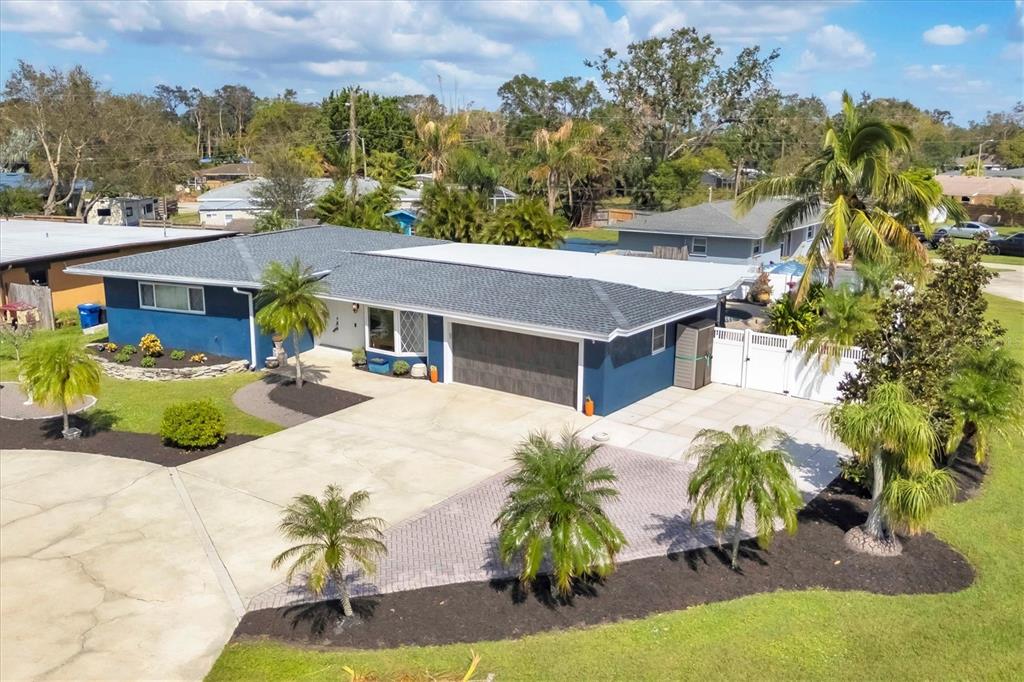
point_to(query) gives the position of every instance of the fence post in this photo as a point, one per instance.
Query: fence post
(747, 334)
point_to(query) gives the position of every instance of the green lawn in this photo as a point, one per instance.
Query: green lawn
(596, 234)
(989, 258)
(185, 218)
(974, 634)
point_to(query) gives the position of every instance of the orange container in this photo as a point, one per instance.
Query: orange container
(433, 374)
(588, 407)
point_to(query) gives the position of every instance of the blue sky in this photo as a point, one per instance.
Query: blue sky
(965, 57)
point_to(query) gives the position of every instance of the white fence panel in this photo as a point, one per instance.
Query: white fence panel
(767, 362)
(809, 379)
(727, 356)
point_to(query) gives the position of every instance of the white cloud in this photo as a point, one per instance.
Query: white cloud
(944, 34)
(80, 43)
(835, 48)
(954, 80)
(396, 84)
(336, 68)
(727, 22)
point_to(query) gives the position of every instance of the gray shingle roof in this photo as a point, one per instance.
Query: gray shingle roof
(583, 306)
(712, 219)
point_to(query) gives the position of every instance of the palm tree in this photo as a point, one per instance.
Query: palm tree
(331, 533)
(984, 396)
(867, 202)
(844, 316)
(735, 470)
(524, 223)
(564, 156)
(59, 371)
(437, 140)
(885, 429)
(554, 509)
(289, 304)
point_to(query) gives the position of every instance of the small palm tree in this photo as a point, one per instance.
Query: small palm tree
(331, 534)
(58, 371)
(289, 305)
(886, 428)
(984, 396)
(735, 470)
(554, 509)
(564, 156)
(843, 317)
(437, 141)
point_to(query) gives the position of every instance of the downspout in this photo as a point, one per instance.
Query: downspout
(252, 328)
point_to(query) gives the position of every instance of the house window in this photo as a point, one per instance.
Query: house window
(129, 211)
(149, 208)
(381, 329)
(757, 247)
(810, 232)
(40, 277)
(103, 212)
(658, 339)
(228, 217)
(700, 246)
(412, 329)
(174, 297)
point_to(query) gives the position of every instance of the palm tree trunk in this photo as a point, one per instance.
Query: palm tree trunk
(298, 360)
(552, 193)
(64, 412)
(736, 537)
(968, 439)
(346, 600)
(875, 525)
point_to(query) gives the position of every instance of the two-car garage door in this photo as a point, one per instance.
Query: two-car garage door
(532, 366)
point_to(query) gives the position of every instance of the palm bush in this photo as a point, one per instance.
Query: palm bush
(289, 305)
(743, 468)
(331, 534)
(844, 316)
(524, 223)
(554, 510)
(58, 370)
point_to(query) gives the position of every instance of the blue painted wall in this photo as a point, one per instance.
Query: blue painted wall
(223, 330)
(435, 344)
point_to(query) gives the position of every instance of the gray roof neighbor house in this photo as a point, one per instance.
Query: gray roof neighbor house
(712, 219)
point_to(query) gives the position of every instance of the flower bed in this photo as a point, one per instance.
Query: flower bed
(164, 367)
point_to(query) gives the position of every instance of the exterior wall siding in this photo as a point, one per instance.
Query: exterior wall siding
(623, 371)
(435, 344)
(720, 249)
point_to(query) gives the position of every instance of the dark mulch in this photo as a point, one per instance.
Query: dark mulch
(470, 612)
(98, 438)
(164, 361)
(316, 400)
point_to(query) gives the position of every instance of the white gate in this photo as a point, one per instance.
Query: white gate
(770, 362)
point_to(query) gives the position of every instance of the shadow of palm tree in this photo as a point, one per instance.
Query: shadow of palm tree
(93, 421)
(543, 591)
(693, 543)
(326, 614)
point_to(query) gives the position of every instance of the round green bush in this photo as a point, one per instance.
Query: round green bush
(193, 424)
(177, 355)
(129, 349)
(400, 368)
(122, 356)
(147, 362)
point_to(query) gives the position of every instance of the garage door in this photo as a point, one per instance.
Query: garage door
(532, 366)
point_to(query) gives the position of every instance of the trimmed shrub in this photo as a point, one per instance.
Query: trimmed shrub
(177, 355)
(110, 347)
(193, 424)
(123, 355)
(148, 361)
(151, 346)
(129, 349)
(358, 357)
(400, 368)
(66, 318)
(198, 357)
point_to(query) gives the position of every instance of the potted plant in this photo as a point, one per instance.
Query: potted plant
(761, 290)
(359, 357)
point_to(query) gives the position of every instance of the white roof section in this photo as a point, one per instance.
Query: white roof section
(692, 277)
(238, 195)
(24, 241)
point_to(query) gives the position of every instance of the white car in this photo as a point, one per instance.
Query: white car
(971, 230)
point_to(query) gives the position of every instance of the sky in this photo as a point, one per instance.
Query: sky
(964, 57)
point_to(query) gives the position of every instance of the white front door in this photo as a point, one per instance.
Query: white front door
(344, 326)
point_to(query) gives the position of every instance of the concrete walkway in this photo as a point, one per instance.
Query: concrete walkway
(255, 399)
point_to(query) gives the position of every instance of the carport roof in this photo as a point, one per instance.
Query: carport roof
(368, 267)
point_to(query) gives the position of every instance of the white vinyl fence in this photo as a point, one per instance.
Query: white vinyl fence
(769, 362)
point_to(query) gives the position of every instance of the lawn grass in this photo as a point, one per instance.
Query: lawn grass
(816, 634)
(987, 258)
(185, 218)
(1011, 315)
(594, 234)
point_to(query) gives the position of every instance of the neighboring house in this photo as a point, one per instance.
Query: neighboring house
(988, 162)
(981, 190)
(413, 198)
(1007, 173)
(711, 231)
(122, 211)
(37, 251)
(491, 316)
(405, 218)
(220, 206)
(225, 173)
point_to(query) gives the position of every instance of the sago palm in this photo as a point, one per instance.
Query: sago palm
(331, 534)
(984, 395)
(563, 156)
(843, 317)
(886, 428)
(741, 468)
(554, 510)
(59, 371)
(867, 201)
(289, 304)
(436, 141)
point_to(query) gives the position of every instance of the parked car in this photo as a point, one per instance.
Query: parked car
(972, 229)
(938, 236)
(1008, 246)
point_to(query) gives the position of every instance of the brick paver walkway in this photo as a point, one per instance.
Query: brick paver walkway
(453, 541)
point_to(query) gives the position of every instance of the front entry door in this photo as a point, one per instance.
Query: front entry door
(344, 327)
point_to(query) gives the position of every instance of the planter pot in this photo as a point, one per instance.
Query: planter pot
(762, 299)
(72, 433)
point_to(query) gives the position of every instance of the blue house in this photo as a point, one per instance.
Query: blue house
(405, 218)
(553, 337)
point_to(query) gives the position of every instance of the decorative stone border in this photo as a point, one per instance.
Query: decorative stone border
(119, 371)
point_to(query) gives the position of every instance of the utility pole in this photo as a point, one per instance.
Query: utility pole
(353, 93)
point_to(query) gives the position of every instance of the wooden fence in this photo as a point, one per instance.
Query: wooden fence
(35, 295)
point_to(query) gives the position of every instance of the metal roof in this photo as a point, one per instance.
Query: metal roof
(24, 241)
(711, 219)
(238, 195)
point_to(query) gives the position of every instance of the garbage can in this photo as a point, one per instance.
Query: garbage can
(88, 314)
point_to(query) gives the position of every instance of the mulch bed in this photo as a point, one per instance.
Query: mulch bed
(316, 400)
(165, 362)
(97, 438)
(472, 612)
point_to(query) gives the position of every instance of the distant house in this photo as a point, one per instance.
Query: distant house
(988, 162)
(405, 219)
(712, 232)
(225, 173)
(122, 211)
(218, 207)
(1008, 173)
(981, 190)
(413, 198)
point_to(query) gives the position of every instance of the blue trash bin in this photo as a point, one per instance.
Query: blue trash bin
(88, 314)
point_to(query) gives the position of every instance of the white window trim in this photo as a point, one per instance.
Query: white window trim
(171, 310)
(756, 248)
(664, 339)
(693, 247)
(398, 333)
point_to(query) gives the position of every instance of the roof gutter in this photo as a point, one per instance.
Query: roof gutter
(76, 270)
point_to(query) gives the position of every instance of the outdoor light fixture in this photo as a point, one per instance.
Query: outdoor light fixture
(355, 307)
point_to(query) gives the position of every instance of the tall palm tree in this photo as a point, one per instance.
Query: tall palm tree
(331, 534)
(984, 396)
(735, 470)
(437, 141)
(867, 201)
(58, 371)
(885, 429)
(289, 304)
(843, 317)
(554, 509)
(564, 156)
